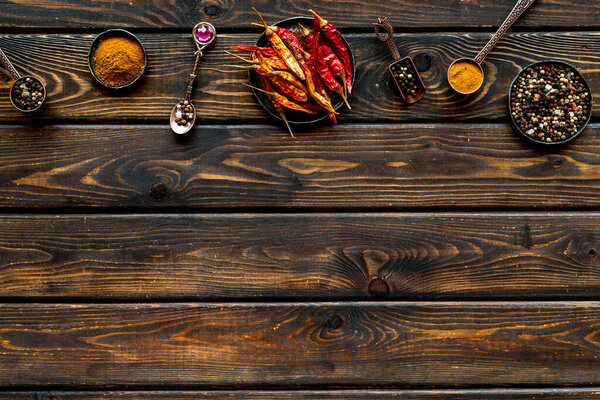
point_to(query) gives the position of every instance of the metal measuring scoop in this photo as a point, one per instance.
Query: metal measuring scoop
(204, 34)
(517, 11)
(20, 81)
(403, 70)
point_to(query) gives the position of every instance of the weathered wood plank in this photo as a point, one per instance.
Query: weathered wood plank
(479, 394)
(61, 60)
(235, 14)
(316, 257)
(353, 166)
(312, 344)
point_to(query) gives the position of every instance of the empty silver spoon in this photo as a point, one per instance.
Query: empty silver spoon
(204, 34)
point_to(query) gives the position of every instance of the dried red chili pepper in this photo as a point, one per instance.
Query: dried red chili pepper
(282, 84)
(307, 37)
(308, 40)
(322, 68)
(265, 51)
(320, 97)
(319, 86)
(333, 62)
(282, 49)
(291, 41)
(274, 62)
(291, 78)
(325, 72)
(268, 87)
(337, 44)
(283, 101)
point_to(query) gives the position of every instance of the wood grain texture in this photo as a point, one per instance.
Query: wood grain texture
(234, 14)
(316, 257)
(479, 394)
(389, 167)
(61, 61)
(300, 345)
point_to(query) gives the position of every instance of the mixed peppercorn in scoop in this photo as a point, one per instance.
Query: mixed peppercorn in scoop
(550, 102)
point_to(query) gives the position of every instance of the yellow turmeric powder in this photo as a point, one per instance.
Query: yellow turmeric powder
(465, 76)
(118, 60)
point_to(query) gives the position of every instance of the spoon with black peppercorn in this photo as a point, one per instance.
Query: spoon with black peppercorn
(27, 93)
(183, 115)
(405, 74)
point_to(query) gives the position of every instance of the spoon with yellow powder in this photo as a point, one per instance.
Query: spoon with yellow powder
(465, 75)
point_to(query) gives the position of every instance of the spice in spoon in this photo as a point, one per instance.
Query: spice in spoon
(406, 77)
(118, 60)
(465, 76)
(184, 114)
(27, 94)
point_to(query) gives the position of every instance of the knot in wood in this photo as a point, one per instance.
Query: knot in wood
(158, 191)
(593, 253)
(379, 288)
(212, 10)
(335, 321)
(422, 62)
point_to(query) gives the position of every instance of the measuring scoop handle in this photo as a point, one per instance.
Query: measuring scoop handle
(516, 12)
(383, 23)
(9, 67)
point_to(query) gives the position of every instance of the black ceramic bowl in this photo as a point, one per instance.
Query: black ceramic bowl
(587, 87)
(108, 34)
(296, 117)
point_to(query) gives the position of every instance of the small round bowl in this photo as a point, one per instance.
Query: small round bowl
(472, 62)
(295, 117)
(108, 34)
(14, 85)
(587, 87)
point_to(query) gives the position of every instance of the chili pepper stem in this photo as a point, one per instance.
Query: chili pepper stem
(260, 90)
(261, 18)
(341, 93)
(321, 20)
(241, 58)
(305, 31)
(282, 115)
(345, 83)
(238, 66)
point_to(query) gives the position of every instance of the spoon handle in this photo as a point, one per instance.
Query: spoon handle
(9, 67)
(516, 12)
(190, 88)
(387, 38)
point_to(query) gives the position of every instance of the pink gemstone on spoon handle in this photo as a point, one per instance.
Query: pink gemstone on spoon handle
(204, 34)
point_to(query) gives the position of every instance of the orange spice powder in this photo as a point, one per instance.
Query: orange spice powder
(465, 76)
(118, 60)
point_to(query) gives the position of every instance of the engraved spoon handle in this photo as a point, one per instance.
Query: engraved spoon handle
(9, 67)
(516, 12)
(190, 88)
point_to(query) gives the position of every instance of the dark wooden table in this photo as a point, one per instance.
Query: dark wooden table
(410, 252)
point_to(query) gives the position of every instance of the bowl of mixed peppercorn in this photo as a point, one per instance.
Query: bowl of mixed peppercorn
(550, 102)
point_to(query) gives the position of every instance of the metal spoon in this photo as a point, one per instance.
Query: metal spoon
(516, 12)
(19, 80)
(204, 34)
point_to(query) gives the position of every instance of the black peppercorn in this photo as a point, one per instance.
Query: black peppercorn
(406, 77)
(27, 94)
